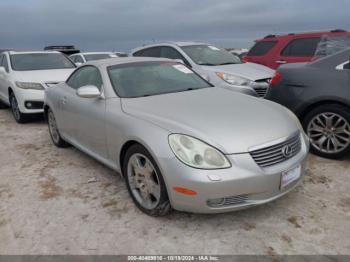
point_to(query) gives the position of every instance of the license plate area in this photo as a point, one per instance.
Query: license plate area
(290, 176)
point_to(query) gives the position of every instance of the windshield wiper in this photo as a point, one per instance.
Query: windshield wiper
(228, 63)
(207, 64)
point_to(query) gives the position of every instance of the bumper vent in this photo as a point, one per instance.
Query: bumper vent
(228, 201)
(278, 153)
(261, 86)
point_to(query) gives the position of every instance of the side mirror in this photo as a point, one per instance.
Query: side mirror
(89, 91)
(180, 61)
(78, 64)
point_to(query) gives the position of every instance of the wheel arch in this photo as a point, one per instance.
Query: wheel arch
(316, 104)
(123, 151)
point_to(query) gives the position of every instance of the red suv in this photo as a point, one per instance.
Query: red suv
(274, 50)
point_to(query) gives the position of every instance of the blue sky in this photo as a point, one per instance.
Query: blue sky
(125, 24)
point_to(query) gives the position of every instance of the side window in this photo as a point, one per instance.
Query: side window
(78, 59)
(172, 53)
(149, 52)
(87, 75)
(261, 48)
(347, 66)
(1, 59)
(5, 63)
(305, 47)
(73, 58)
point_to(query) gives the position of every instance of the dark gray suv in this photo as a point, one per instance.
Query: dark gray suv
(319, 94)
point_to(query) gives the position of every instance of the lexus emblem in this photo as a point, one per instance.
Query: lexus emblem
(287, 151)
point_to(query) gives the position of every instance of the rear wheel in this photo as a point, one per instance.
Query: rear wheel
(145, 182)
(54, 132)
(328, 127)
(17, 114)
(3, 105)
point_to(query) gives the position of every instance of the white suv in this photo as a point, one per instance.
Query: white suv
(214, 64)
(24, 77)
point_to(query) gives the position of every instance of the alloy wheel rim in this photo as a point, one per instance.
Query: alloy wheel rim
(329, 132)
(53, 127)
(144, 181)
(15, 109)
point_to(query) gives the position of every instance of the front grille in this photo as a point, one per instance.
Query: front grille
(261, 86)
(277, 153)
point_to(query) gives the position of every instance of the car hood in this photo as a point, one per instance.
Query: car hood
(250, 71)
(43, 76)
(229, 121)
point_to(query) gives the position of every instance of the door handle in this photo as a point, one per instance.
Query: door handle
(64, 100)
(281, 62)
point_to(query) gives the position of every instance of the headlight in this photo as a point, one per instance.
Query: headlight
(29, 85)
(235, 80)
(196, 153)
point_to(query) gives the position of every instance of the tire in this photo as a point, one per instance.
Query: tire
(146, 186)
(56, 138)
(3, 105)
(328, 127)
(20, 117)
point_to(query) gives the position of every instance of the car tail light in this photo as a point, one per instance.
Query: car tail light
(244, 59)
(276, 79)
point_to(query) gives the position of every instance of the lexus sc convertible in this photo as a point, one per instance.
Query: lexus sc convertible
(180, 142)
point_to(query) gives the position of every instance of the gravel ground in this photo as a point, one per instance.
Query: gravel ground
(60, 201)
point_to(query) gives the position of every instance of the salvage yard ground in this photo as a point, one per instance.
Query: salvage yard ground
(61, 201)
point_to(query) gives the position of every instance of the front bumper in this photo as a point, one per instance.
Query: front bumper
(36, 97)
(245, 184)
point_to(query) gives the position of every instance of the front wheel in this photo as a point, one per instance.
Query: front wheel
(3, 105)
(145, 182)
(17, 114)
(54, 132)
(328, 127)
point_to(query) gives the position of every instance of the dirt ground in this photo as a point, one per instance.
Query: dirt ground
(60, 201)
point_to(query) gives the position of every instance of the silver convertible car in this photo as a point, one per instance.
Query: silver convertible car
(179, 142)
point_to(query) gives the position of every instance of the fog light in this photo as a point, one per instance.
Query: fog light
(29, 105)
(215, 202)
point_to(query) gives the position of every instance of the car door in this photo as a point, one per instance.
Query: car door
(83, 119)
(4, 79)
(298, 50)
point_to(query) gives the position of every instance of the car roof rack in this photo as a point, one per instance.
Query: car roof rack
(338, 31)
(270, 36)
(65, 49)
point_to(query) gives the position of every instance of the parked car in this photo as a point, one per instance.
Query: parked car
(24, 77)
(81, 58)
(319, 94)
(143, 117)
(216, 65)
(65, 49)
(275, 50)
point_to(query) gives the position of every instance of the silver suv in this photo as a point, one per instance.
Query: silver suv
(214, 64)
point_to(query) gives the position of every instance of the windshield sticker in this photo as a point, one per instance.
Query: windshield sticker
(214, 48)
(183, 69)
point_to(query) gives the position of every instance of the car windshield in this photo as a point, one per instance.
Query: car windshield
(153, 78)
(210, 55)
(40, 61)
(93, 57)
